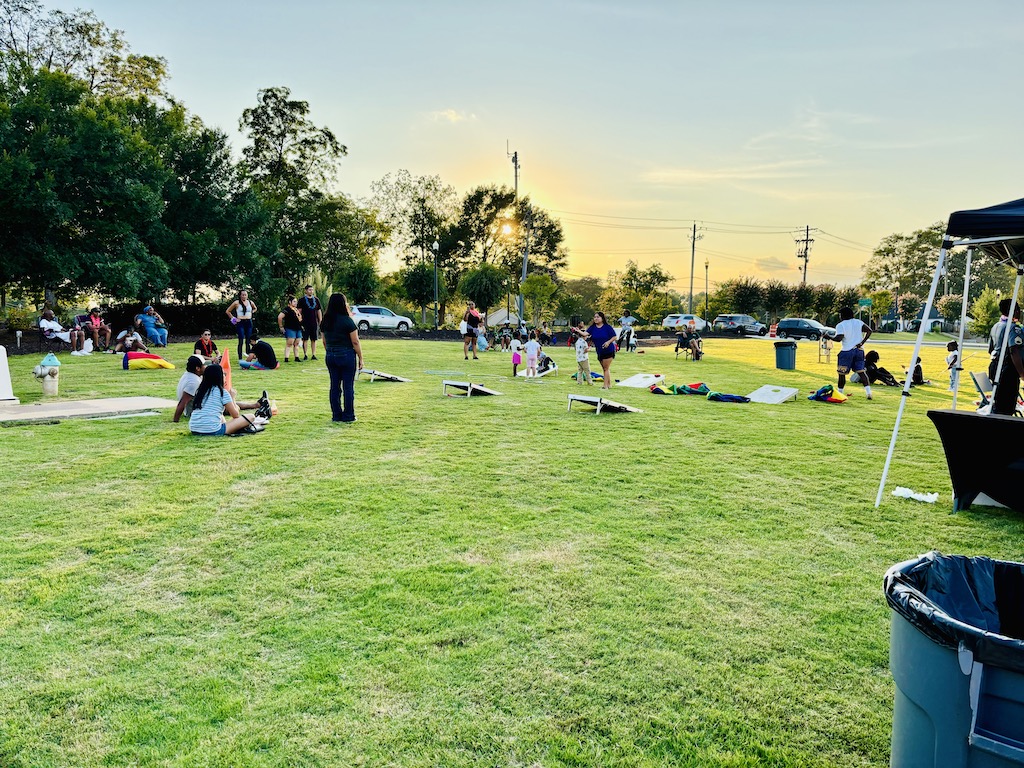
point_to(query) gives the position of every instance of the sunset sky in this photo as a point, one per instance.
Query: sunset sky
(633, 119)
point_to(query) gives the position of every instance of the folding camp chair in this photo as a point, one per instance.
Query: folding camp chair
(983, 384)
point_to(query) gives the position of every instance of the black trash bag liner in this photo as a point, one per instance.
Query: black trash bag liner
(954, 599)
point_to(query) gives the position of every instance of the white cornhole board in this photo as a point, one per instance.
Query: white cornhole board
(601, 404)
(540, 374)
(642, 380)
(6, 391)
(468, 389)
(773, 395)
(374, 375)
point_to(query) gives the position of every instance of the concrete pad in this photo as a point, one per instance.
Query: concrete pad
(81, 409)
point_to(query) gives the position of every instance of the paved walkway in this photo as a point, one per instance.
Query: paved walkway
(76, 409)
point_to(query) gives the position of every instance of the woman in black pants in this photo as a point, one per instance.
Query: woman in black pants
(344, 356)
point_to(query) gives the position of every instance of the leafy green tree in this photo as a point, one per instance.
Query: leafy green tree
(847, 297)
(358, 279)
(484, 286)
(905, 262)
(414, 210)
(802, 302)
(418, 282)
(655, 306)
(79, 44)
(538, 290)
(645, 281)
(81, 190)
(826, 300)
(881, 303)
(570, 305)
(984, 312)
(950, 307)
(776, 296)
(746, 294)
(908, 307)
(589, 290)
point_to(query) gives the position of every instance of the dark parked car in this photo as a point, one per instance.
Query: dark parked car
(801, 328)
(740, 325)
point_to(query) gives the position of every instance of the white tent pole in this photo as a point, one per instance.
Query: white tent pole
(1006, 335)
(963, 320)
(946, 244)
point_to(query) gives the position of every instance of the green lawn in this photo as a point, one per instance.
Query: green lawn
(452, 582)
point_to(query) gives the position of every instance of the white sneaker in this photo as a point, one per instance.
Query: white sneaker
(260, 420)
(870, 397)
(78, 353)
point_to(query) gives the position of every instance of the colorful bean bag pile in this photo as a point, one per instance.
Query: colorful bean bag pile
(137, 361)
(827, 394)
(700, 388)
(593, 376)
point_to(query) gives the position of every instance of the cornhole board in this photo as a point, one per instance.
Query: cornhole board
(374, 375)
(601, 404)
(467, 388)
(540, 374)
(6, 391)
(773, 395)
(642, 381)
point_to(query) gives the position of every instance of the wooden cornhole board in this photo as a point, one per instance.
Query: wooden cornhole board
(642, 381)
(773, 395)
(602, 404)
(545, 372)
(467, 388)
(374, 375)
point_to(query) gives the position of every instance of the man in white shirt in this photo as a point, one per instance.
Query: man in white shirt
(53, 330)
(854, 334)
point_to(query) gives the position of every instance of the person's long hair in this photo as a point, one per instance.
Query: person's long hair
(337, 306)
(604, 320)
(213, 376)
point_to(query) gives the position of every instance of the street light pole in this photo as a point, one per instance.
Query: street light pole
(705, 294)
(436, 247)
(693, 256)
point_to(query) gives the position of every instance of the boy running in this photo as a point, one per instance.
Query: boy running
(854, 334)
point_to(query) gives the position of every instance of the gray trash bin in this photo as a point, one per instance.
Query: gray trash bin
(785, 355)
(957, 656)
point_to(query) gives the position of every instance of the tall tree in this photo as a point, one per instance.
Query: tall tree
(776, 297)
(538, 290)
(415, 210)
(826, 298)
(484, 286)
(77, 43)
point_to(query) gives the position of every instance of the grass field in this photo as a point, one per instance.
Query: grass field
(453, 582)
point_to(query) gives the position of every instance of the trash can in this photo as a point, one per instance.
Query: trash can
(785, 355)
(957, 656)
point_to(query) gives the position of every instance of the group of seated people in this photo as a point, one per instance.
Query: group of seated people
(93, 328)
(213, 408)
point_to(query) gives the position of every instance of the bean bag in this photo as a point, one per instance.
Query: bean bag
(137, 361)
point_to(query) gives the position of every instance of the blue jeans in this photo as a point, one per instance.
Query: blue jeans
(341, 365)
(244, 331)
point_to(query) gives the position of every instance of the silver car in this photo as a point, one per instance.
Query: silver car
(368, 317)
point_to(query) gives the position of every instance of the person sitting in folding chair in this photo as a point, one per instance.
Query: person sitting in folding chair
(689, 342)
(54, 331)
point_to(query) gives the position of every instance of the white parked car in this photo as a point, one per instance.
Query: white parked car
(368, 317)
(677, 321)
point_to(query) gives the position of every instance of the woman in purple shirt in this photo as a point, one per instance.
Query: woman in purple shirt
(602, 336)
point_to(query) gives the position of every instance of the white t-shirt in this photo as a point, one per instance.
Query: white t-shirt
(853, 333)
(533, 348)
(953, 358)
(627, 321)
(51, 329)
(516, 345)
(188, 384)
(581, 349)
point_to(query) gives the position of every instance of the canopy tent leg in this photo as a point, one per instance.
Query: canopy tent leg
(946, 245)
(963, 321)
(1006, 336)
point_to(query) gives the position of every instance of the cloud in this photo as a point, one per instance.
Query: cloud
(452, 116)
(772, 264)
(812, 126)
(789, 169)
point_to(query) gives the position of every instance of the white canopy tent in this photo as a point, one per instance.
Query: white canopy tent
(998, 232)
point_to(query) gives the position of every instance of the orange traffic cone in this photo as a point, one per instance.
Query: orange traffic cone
(225, 363)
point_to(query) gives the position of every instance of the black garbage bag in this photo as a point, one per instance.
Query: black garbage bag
(954, 599)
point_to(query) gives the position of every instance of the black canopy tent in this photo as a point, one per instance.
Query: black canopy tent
(998, 232)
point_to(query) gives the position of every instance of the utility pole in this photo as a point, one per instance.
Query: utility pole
(804, 250)
(515, 166)
(693, 257)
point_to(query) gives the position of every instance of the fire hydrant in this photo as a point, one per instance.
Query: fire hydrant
(49, 371)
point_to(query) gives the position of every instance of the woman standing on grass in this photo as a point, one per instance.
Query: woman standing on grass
(290, 323)
(344, 356)
(602, 336)
(240, 313)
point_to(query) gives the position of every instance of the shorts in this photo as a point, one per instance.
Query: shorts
(290, 334)
(517, 359)
(850, 360)
(469, 335)
(310, 333)
(531, 361)
(608, 354)
(223, 430)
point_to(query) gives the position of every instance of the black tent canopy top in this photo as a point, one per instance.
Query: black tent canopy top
(1005, 222)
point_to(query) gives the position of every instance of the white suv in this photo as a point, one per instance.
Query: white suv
(683, 321)
(368, 317)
